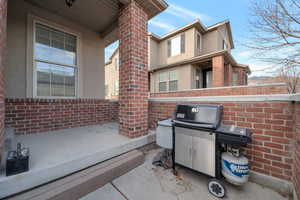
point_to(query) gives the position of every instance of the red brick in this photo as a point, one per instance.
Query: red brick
(72, 113)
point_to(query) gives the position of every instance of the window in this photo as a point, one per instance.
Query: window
(116, 87)
(168, 81)
(116, 64)
(106, 90)
(235, 77)
(173, 81)
(163, 79)
(176, 45)
(55, 55)
(198, 41)
(224, 45)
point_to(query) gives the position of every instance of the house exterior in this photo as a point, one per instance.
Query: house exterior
(52, 63)
(52, 77)
(191, 57)
(194, 57)
(112, 68)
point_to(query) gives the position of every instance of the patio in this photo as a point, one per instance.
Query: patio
(59, 153)
(150, 182)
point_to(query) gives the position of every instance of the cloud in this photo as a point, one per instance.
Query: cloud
(163, 25)
(185, 13)
(262, 69)
(243, 54)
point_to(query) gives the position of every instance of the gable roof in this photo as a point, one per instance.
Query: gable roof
(112, 55)
(201, 27)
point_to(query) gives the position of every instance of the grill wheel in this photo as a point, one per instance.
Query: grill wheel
(216, 188)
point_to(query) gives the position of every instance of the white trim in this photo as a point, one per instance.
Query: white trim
(201, 47)
(31, 89)
(240, 98)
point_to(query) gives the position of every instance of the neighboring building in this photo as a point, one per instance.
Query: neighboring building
(112, 76)
(258, 80)
(191, 57)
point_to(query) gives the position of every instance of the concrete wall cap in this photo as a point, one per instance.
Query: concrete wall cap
(245, 98)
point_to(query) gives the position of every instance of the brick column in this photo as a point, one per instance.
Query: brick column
(218, 71)
(3, 15)
(133, 93)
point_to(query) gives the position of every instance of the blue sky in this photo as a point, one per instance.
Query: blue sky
(180, 13)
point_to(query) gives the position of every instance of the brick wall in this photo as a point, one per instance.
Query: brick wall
(296, 169)
(226, 91)
(3, 15)
(272, 125)
(133, 93)
(41, 115)
(218, 71)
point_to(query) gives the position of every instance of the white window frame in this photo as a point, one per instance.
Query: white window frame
(116, 87)
(181, 50)
(224, 45)
(168, 80)
(31, 35)
(200, 47)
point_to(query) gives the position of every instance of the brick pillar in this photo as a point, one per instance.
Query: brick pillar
(3, 15)
(218, 71)
(133, 93)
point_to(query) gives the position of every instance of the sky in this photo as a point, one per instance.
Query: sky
(180, 13)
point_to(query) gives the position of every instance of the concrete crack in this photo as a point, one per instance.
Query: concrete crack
(123, 195)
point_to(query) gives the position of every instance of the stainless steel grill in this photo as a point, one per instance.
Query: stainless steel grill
(199, 138)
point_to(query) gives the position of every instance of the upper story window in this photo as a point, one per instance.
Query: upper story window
(55, 60)
(116, 64)
(225, 46)
(176, 45)
(199, 38)
(116, 87)
(168, 81)
(235, 78)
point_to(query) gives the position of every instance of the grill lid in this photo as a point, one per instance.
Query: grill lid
(208, 116)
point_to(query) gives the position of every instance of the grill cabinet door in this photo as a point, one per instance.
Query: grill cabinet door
(183, 147)
(203, 159)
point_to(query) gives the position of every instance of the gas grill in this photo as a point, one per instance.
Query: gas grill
(200, 140)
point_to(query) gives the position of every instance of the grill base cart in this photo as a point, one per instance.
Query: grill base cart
(199, 141)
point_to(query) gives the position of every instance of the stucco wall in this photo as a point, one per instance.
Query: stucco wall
(184, 78)
(18, 79)
(153, 58)
(189, 49)
(222, 34)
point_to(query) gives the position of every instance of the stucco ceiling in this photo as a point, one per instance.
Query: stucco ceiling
(97, 15)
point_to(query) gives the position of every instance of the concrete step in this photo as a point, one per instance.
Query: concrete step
(85, 181)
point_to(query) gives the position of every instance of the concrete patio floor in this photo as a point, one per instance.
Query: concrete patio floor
(148, 182)
(59, 153)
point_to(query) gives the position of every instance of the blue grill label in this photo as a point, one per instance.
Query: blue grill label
(236, 169)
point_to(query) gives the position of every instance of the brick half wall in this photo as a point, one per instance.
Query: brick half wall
(41, 115)
(296, 169)
(227, 91)
(271, 151)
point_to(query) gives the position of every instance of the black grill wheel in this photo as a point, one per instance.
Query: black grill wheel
(216, 188)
